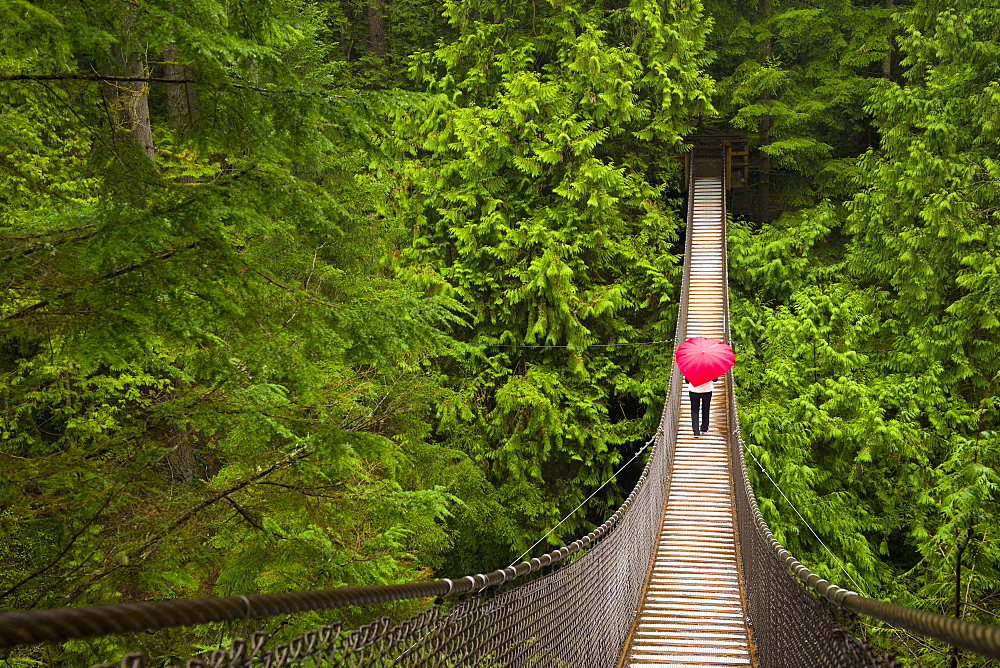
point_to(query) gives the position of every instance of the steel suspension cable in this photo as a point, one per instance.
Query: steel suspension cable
(581, 348)
(592, 494)
(746, 449)
(840, 563)
(18, 628)
(980, 638)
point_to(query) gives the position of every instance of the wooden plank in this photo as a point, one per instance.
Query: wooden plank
(691, 613)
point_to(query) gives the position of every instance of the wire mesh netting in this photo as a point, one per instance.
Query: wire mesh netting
(790, 627)
(577, 616)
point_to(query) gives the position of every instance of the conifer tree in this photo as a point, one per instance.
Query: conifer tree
(926, 245)
(868, 367)
(794, 77)
(208, 383)
(537, 195)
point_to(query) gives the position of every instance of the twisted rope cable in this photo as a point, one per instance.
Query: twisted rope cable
(980, 638)
(774, 482)
(59, 624)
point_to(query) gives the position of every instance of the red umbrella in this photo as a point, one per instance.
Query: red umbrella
(702, 359)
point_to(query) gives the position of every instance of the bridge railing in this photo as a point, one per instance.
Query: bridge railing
(577, 615)
(789, 624)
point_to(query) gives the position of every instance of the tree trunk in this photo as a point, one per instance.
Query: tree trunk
(347, 30)
(182, 104)
(887, 61)
(129, 100)
(376, 27)
(180, 458)
(763, 137)
(959, 610)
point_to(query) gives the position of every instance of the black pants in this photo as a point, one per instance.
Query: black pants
(702, 399)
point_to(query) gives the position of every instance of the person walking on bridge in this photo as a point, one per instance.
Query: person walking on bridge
(701, 398)
(702, 361)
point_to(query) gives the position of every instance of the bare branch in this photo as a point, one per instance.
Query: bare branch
(113, 274)
(62, 553)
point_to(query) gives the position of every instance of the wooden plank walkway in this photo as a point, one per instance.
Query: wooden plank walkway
(692, 612)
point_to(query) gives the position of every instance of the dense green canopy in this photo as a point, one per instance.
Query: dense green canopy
(300, 294)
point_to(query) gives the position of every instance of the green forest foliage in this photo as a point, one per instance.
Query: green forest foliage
(868, 330)
(301, 294)
(536, 190)
(211, 384)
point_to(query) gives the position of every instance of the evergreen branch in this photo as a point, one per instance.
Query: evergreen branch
(48, 244)
(145, 549)
(89, 77)
(308, 491)
(113, 274)
(42, 235)
(299, 488)
(76, 113)
(73, 76)
(308, 294)
(58, 580)
(62, 553)
(252, 521)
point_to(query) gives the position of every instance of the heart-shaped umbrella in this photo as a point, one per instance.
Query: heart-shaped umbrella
(701, 359)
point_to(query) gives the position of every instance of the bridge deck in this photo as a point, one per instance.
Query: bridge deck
(692, 611)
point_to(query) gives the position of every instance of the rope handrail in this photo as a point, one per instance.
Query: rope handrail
(980, 638)
(581, 504)
(28, 627)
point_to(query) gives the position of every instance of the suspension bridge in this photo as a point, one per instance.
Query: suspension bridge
(685, 573)
(692, 610)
